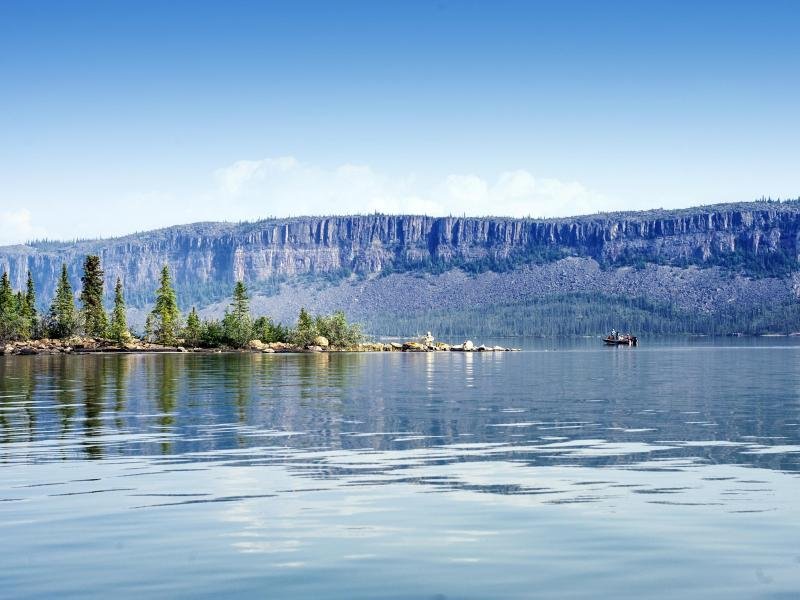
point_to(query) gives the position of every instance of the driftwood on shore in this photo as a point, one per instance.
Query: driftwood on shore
(81, 345)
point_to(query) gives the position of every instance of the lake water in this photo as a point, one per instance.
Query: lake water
(567, 470)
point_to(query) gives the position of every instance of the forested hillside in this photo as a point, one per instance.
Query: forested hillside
(584, 314)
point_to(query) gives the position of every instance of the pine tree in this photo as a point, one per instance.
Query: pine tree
(93, 314)
(241, 302)
(166, 316)
(118, 329)
(6, 293)
(148, 328)
(237, 324)
(266, 330)
(304, 320)
(63, 318)
(211, 334)
(9, 314)
(305, 331)
(22, 324)
(30, 311)
(193, 328)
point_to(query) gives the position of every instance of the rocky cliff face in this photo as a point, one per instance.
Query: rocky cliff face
(759, 239)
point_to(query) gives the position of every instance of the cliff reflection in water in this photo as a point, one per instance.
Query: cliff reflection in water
(590, 408)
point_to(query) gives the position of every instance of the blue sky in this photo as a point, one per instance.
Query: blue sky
(123, 116)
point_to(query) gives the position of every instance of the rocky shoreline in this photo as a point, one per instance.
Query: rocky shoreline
(80, 345)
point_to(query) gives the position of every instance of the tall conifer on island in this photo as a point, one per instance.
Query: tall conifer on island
(118, 329)
(237, 324)
(9, 314)
(166, 316)
(305, 331)
(6, 293)
(148, 328)
(62, 321)
(29, 310)
(22, 324)
(95, 321)
(193, 328)
(304, 321)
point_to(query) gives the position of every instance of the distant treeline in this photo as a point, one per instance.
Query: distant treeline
(587, 314)
(20, 320)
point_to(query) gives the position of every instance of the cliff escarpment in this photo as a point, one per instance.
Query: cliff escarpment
(758, 240)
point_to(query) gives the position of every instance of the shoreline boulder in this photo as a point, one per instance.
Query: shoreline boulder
(256, 345)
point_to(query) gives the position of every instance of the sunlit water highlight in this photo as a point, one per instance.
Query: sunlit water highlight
(568, 470)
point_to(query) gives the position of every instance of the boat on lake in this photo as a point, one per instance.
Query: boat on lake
(619, 339)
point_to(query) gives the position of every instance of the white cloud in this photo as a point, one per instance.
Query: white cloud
(467, 192)
(244, 172)
(16, 227)
(285, 186)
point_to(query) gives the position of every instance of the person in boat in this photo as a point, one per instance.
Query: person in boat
(613, 334)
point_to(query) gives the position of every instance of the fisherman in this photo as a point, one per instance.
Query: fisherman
(613, 334)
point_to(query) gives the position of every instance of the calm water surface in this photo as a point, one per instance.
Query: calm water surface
(668, 470)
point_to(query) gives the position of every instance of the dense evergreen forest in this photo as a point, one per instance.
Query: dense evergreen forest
(585, 314)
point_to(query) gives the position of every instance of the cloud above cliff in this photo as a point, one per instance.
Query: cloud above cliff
(248, 190)
(17, 226)
(285, 186)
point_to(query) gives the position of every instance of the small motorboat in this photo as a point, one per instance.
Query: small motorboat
(621, 340)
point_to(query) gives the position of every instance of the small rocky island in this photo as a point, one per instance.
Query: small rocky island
(87, 345)
(67, 329)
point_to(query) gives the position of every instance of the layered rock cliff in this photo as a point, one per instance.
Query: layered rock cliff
(756, 240)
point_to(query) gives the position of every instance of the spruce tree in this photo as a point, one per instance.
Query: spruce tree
(6, 293)
(166, 316)
(118, 329)
(22, 322)
(237, 324)
(193, 328)
(62, 320)
(304, 320)
(148, 328)
(30, 306)
(266, 330)
(93, 314)
(9, 314)
(305, 331)
(211, 334)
